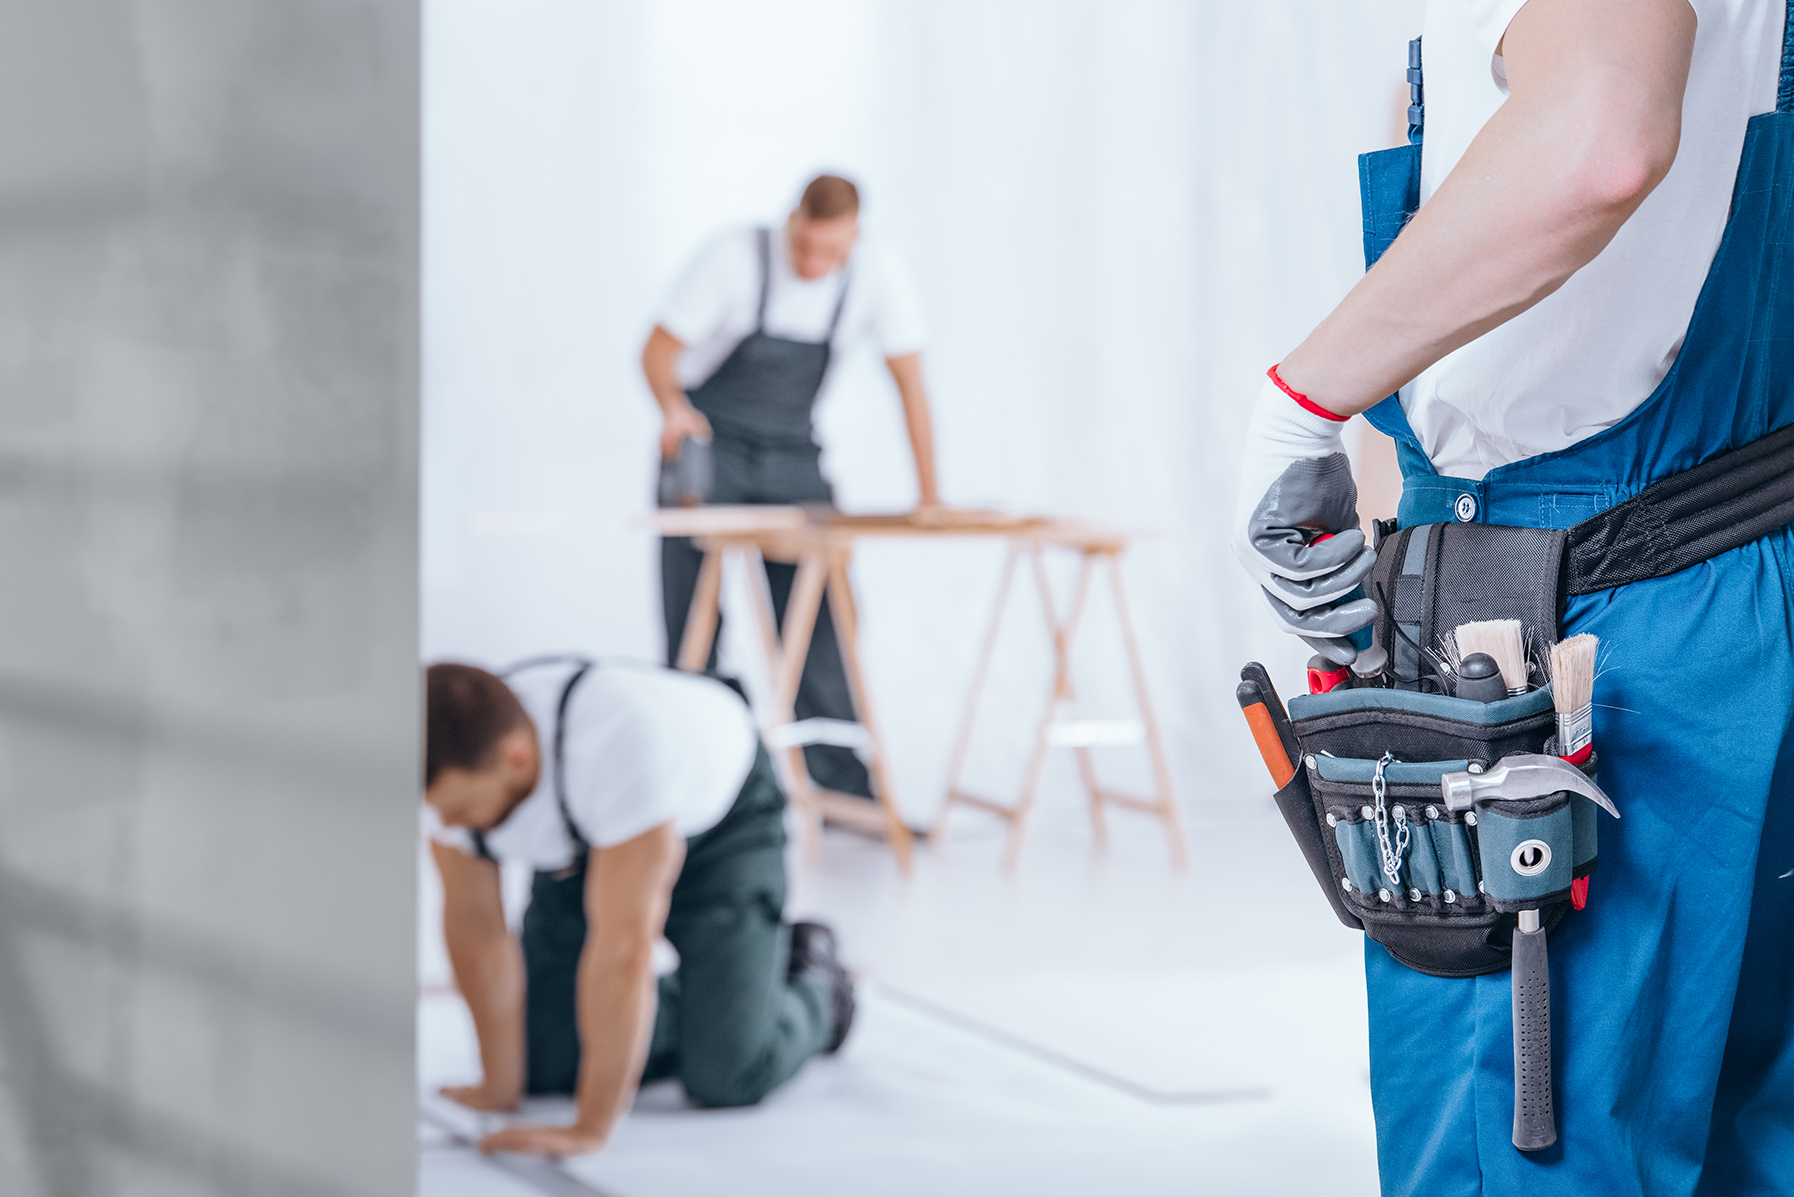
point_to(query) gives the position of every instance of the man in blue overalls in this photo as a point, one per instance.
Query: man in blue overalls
(737, 358)
(1596, 294)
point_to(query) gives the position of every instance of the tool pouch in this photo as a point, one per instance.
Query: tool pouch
(1438, 888)
(1433, 577)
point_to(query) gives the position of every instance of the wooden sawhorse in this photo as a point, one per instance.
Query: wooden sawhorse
(821, 554)
(1097, 550)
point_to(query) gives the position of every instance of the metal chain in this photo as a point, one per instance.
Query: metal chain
(1391, 855)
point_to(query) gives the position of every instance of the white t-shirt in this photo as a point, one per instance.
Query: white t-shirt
(1586, 356)
(712, 306)
(643, 746)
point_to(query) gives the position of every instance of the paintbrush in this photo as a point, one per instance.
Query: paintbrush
(1573, 694)
(1500, 639)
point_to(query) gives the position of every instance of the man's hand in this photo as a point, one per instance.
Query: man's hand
(1296, 523)
(486, 1099)
(552, 1141)
(680, 421)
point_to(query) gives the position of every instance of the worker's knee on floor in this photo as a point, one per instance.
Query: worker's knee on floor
(714, 1088)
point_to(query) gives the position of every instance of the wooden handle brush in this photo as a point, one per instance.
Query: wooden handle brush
(1573, 694)
(1500, 639)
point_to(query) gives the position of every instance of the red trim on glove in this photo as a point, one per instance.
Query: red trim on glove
(1308, 404)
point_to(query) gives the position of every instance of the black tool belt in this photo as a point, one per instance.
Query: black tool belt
(1440, 888)
(1499, 572)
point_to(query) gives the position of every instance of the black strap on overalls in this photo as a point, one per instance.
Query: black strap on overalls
(763, 392)
(763, 241)
(580, 847)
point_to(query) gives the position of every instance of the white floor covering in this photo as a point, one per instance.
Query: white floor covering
(1095, 1023)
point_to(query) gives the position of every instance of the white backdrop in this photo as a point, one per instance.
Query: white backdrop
(1117, 213)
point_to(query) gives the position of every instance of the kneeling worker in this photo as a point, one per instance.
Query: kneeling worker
(646, 804)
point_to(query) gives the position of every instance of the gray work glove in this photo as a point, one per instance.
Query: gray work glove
(1295, 526)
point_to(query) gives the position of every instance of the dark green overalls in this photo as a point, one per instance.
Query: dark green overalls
(764, 451)
(730, 1026)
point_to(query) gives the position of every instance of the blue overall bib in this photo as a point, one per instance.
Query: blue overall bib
(1673, 992)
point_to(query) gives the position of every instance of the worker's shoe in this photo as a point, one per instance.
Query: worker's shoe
(814, 954)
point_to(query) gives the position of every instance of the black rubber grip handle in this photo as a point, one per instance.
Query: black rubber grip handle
(1535, 1119)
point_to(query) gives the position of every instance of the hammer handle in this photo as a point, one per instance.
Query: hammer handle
(1535, 1119)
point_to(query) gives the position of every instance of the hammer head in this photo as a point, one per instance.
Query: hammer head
(1523, 775)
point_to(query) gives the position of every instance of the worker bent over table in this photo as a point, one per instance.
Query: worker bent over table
(738, 357)
(644, 802)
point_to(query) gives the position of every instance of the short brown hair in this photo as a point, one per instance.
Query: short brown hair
(467, 711)
(828, 197)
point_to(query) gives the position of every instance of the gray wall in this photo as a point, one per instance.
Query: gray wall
(209, 712)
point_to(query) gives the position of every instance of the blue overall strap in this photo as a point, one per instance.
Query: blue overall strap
(1389, 184)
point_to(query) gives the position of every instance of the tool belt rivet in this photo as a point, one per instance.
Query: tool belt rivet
(1449, 897)
(1383, 895)
(1470, 818)
(1414, 895)
(1332, 819)
(1367, 812)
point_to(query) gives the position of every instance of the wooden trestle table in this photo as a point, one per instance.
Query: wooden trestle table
(820, 541)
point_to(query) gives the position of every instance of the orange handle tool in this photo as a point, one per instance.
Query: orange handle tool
(1264, 733)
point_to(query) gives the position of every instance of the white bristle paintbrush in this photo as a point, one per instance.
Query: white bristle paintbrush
(1500, 639)
(1573, 694)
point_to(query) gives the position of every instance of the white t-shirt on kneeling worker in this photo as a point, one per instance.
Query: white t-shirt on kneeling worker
(713, 305)
(642, 746)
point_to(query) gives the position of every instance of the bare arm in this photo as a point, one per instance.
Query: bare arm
(660, 364)
(489, 972)
(906, 369)
(628, 889)
(1590, 127)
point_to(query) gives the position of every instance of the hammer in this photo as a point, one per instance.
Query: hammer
(1514, 779)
